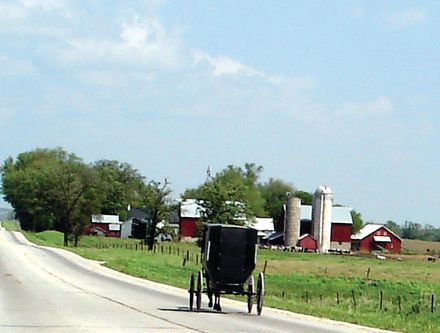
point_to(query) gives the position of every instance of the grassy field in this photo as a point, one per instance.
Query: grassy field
(421, 247)
(338, 287)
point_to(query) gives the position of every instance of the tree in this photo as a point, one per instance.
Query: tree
(247, 179)
(156, 198)
(224, 202)
(120, 186)
(25, 189)
(274, 194)
(394, 227)
(50, 188)
(357, 221)
(306, 197)
(237, 186)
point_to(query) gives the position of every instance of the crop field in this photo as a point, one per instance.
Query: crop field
(389, 294)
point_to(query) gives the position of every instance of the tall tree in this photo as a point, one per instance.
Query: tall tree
(306, 197)
(247, 179)
(120, 186)
(50, 188)
(156, 198)
(72, 195)
(394, 227)
(274, 193)
(357, 221)
(224, 202)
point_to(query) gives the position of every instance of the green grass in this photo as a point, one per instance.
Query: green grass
(300, 282)
(11, 225)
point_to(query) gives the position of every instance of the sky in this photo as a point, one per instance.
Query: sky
(338, 93)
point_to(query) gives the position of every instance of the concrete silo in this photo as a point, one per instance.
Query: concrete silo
(322, 217)
(293, 215)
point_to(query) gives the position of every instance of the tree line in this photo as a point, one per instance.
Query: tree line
(414, 230)
(54, 189)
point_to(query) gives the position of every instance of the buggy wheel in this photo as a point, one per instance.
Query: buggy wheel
(191, 292)
(199, 290)
(260, 293)
(250, 293)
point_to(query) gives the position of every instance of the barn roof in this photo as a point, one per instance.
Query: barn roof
(263, 224)
(102, 218)
(341, 214)
(370, 228)
(306, 235)
(190, 208)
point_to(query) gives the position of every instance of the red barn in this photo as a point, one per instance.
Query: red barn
(376, 237)
(342, 225)
(104, 225)
(307, 242)
(189, 215)
(341, 228)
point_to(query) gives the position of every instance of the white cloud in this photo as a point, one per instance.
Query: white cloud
(380, 107)
(11, 12)
(224, 65)
(142, 43)
(407, 18)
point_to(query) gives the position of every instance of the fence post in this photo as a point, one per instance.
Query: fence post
(265, 265)
(381, 300)
(432, 303)
(368, 273)
(337, 297)
(399, 302)
(354, 298)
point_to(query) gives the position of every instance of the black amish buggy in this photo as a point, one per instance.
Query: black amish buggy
(228, 259)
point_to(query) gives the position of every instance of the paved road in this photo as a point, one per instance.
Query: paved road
(51, 290)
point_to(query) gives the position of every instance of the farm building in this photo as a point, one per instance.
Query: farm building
(341, 226)
(104, 225)
(264, 227)
(189, 215)
(376, 237)
(307, 243)
(136, 224)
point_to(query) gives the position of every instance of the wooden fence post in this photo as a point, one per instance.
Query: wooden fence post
(337, 297)
(381, 300)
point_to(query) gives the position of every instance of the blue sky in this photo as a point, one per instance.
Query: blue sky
(342, 93)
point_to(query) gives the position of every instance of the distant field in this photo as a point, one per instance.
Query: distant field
(421, 247)
(330, 286)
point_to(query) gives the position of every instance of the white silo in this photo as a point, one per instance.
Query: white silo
(322, 217)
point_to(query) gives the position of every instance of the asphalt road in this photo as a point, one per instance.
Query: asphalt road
(51, 290)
